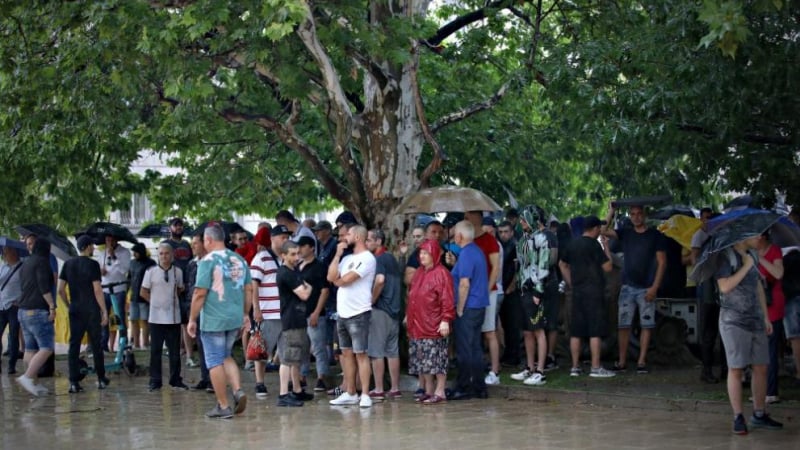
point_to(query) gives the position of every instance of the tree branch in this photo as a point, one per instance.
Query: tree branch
(752, 138)
(462, 21)
(472, 109)
(438, 154)
(287, 135)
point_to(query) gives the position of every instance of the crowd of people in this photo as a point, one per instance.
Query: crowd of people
(475, 291)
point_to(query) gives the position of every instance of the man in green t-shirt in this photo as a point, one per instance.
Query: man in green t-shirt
(222, 298)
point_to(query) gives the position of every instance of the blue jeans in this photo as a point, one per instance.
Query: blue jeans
(9, 317)
(37, 329)
(467, 330)
(318, 337)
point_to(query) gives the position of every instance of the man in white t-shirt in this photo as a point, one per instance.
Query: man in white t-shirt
(353, 275)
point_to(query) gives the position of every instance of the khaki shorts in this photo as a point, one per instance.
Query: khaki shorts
(743, 347)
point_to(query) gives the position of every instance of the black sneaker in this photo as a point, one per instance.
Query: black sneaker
(320, 387)
(261, 390)
(288, 400)
(550, 363)
(154, 387)
(303, 396)
(180, 386)
(103, 383)
(202, 384)
(617, 368)
(74, 388)
(707, 377)
(642, 370)
(765, 421)
(739, 426)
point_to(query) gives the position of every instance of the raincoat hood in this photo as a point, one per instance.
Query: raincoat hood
(432, 247)
(263, 237)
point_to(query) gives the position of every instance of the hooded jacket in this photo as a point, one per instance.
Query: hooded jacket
(431, 299)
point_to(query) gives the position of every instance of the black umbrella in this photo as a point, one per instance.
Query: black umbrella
(728, 233)
(60, 246)
(156, 230)
(228, 227)
(19, 246)
(99, 230)
(668, 211)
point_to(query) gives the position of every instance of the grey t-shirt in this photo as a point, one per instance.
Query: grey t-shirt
(740, 307)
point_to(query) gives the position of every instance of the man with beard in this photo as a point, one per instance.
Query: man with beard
(314, 273)
(181, 255)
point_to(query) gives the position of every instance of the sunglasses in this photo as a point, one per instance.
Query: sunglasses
(166, 276)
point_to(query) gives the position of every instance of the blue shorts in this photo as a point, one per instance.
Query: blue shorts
(218, 345)
(354, 332)
(139, 311)
(630, 299)
(39, 332)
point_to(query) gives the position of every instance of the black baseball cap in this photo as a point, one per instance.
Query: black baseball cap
(322, 225)
(592, 221)
(280, 229)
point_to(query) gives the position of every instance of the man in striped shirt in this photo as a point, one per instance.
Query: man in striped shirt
(267, 309)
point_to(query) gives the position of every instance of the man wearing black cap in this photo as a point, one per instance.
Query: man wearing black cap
(582, 265)
(326, 244)
(181, 255)
(87, 311)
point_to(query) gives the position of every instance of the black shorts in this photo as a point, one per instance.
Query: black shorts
(533, 315)
(589, 317)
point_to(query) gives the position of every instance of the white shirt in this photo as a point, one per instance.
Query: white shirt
(117, 266)
(164, 307)
(356, 298)
(10, 294)
(264, 270)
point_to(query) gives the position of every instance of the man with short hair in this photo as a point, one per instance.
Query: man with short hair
(470, 280)
(267, 302)
(297, 229)
(315, 274)
(190, 279)
(161, 286)
(87, 311)
(10, 292)
(139, 309)
(384, 326)
(326, 243)
(642, 272)
(353, 275)
(583, 265)
(181, 255)
(509, 309)
(222, 299)
(434, 230)
(491, 249)
(293, 343)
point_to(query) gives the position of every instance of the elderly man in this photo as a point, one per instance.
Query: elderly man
(222, 299)
(160, 288)
(87, 311)
(471, 285)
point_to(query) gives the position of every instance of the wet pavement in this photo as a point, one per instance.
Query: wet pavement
(126, 415)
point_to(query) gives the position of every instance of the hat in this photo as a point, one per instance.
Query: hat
(280, 229)
(305, 240)
(322, 225)
(175, 221)
(488, 220)
(592, 221)
(346, 217)
(84, 241)
(263, 237)
(139, 248)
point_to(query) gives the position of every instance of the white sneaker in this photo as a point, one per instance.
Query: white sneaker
(601, 372)
(575, 372)
(366, 401)
(522, 376)
(28, 385)
(190, 362)
(345, 399)
(41, 389)
(537, 379)
(492, 379)
(772, 399)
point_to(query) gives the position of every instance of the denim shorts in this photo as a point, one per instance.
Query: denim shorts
(354, 332)
(218, 345)
(39, 332)
(630, 299)
(139, 311)
(791, 321)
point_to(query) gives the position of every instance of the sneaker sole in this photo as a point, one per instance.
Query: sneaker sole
(261, 395)
(333, 403)
(221, 417)
(241, 404)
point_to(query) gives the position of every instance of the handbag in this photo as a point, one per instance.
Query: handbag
(257, 348)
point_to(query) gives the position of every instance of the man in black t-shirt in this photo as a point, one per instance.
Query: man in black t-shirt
(87, 311)
(315, 274)
(583, 265)
(293, 345)
(642, 273)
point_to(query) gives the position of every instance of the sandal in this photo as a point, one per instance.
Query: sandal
(434, 399)
(422, 398)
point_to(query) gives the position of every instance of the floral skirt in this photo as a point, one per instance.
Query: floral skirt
(427, 356)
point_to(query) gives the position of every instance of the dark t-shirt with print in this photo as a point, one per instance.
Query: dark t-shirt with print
(79, 274)
(740, 306)
(293, 310)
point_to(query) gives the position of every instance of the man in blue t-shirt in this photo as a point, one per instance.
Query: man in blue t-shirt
(642, 272)
(471, 283)
(222, 297)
